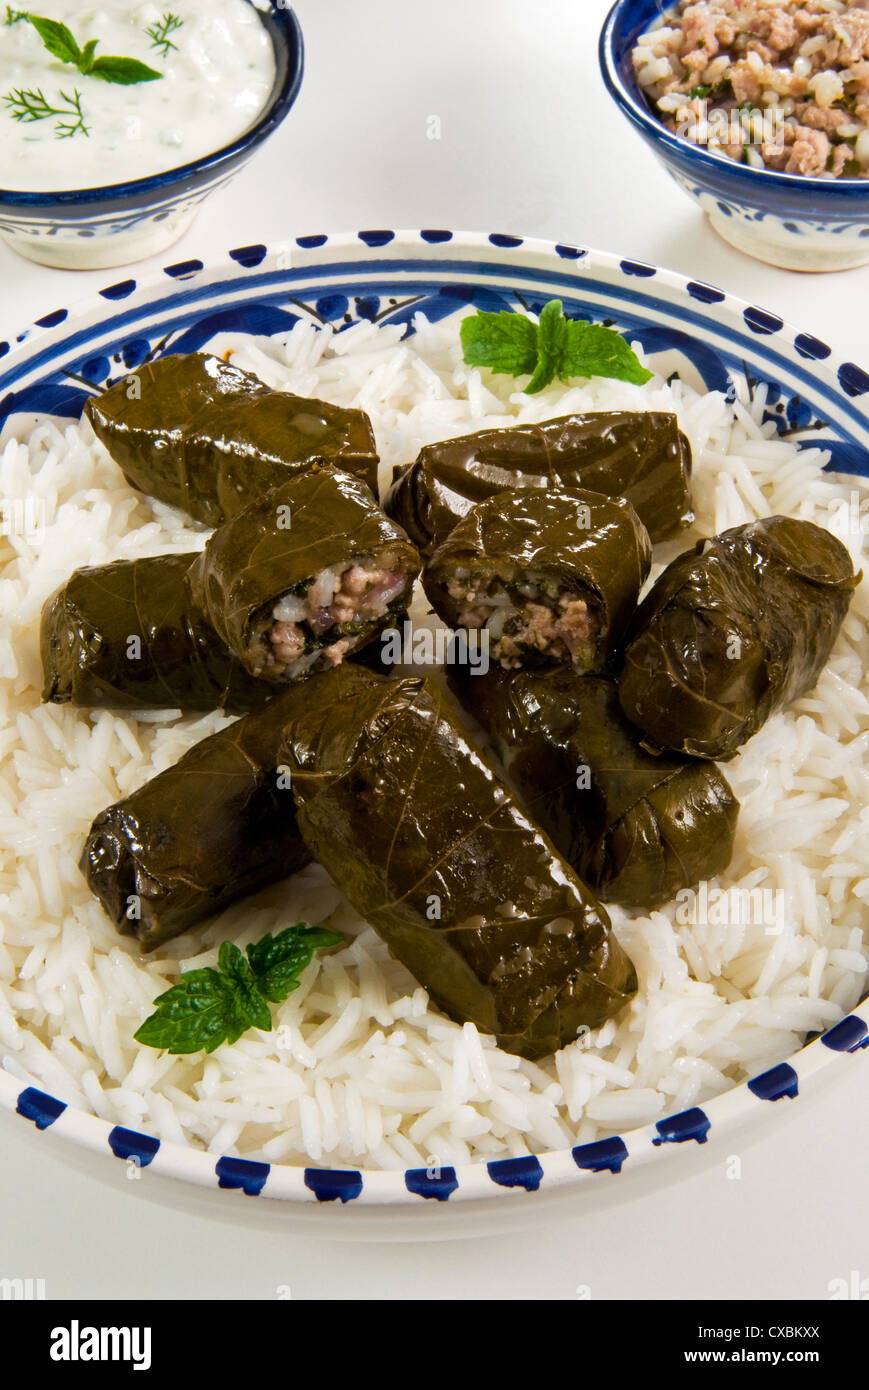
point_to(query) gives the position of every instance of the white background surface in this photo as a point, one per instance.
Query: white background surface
(530, 144)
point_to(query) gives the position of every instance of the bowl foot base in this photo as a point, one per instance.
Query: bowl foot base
(788, 250)
(100, 252)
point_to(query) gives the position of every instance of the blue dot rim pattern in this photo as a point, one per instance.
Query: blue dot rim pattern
(285, 31)
(822, 200)
(389, 276)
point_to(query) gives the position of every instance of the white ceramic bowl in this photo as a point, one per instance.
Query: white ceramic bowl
(788, 220)
(92, 228)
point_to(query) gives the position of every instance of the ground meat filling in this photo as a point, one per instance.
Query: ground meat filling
(777, 84)
(322, 620)
(534, 620)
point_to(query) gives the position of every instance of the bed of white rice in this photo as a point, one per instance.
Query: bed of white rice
(360, 1069)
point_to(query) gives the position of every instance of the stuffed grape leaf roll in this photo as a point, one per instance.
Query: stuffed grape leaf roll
(550, 575)
(641, 455)
(196, 432)
(126, 636)
(636, 828)
(431, 848)
(733, 630)
(303, 576)
(218, 825)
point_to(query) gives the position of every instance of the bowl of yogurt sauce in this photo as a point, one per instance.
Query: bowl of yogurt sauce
(118, 120)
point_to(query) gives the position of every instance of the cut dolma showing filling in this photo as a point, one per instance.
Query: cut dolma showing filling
(528, 616)
(217, 628)
(551, 576)
(324, 617)
(196, 432)
(304, 576)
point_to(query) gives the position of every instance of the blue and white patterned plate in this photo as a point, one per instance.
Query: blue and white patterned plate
(816, 399)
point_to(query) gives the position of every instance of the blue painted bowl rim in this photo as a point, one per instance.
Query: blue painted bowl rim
(274, 113)
(635, 108)
(509, 1179)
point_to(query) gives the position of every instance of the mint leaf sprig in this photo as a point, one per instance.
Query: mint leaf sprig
(511, 344)
(209, 1007)
(61, 44)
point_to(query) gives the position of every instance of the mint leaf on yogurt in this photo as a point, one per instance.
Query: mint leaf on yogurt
(125, 71)
(62, 44)
(56, 38)
(86, 61)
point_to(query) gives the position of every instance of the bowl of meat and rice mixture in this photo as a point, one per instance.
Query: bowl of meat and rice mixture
(759, 109)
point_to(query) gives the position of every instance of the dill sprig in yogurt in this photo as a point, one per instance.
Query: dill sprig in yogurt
(34, 106)
(159, 33)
